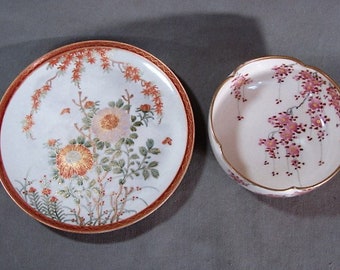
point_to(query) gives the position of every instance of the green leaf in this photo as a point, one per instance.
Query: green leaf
(114, 163)
(96, 189)
(73, 141)
(143, 151)
(138, 124)
(126, 107)
(119, 143)
(154, 173)
(117, 170)
(117, 154)
(121, 163)
(133, 135)
(99, 170)
(119, 103)
(86, 121)
(155, 151)
(92, 183)
(149, 143)
(88, 193)
(80, 181)
(133, 129)
(129, 142)
(133, 118)
(100, 145)
(80, 140)
(109, 151)
(106, 167)
(146, 174)
(134, 156)
(112, 104)
(104, 160)
(87, 144)
(65, 193)
(153, 164)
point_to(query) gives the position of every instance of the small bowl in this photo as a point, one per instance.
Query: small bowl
(274, 126)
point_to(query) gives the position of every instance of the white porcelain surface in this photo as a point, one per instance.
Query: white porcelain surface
(95, 136)
(274, 126)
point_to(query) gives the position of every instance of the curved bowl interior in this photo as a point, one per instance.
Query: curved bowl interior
(277, 122)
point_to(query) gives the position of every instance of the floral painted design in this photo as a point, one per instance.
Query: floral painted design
(238, 179)
(311, 99)
(111, 124)
(75, 61)
(281, 73)
(97, 168)
(238, 90)
(74, 159)
(333, 98)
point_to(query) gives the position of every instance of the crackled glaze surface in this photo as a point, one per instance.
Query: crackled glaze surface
(275, 126)
(95, 136)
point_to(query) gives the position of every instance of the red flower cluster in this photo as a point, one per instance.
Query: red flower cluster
(287, 129)
(149, 89)
(237, 85)
(281, 72)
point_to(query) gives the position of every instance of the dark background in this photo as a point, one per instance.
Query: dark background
(210, 222)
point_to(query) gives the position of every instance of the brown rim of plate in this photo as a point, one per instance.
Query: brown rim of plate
(11, 90)
(231, 76)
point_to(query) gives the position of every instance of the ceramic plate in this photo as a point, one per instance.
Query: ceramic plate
(95, 136)
(275, 126)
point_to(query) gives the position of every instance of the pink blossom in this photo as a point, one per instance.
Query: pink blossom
(333, 92)
(308, 86)
(293, 150)
(282, 71)
(305, 75)
(317, 121)
(315, 104)
(270, 144)
(292, 126)
(286, 134)
(240, 81)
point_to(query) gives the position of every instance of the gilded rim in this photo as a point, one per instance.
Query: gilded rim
(230, 77)
(11, 90)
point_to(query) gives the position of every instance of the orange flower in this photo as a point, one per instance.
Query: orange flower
(145, 107)
(88, 104)
(74, 159)
(46, 191)
(167, 140)
(32, 190)
(111, 124)
(152, 90)
(65, 110)
(132, 73)
(53, 199)
(28, 123)
(51, 142)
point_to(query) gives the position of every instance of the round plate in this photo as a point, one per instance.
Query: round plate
(275, 126)
(95, 136)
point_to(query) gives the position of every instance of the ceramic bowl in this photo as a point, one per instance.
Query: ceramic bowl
(274, 126)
